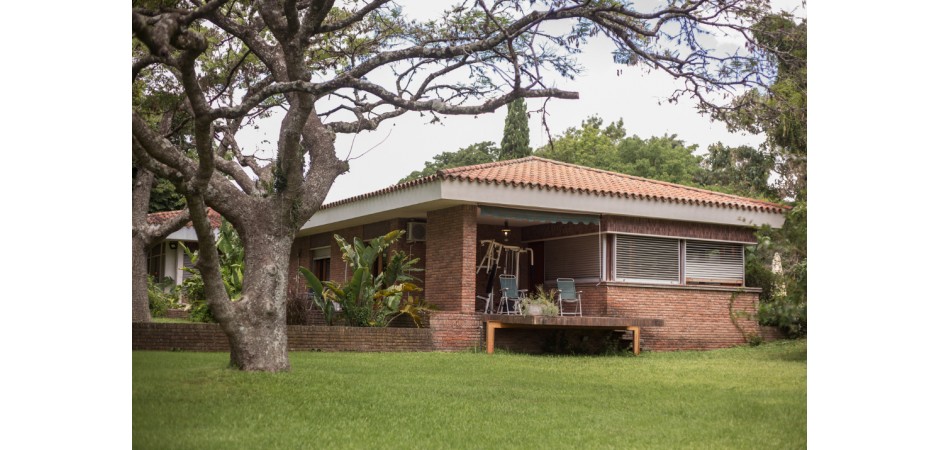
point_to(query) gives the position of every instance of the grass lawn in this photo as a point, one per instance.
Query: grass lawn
(734, 398)
(171, 320)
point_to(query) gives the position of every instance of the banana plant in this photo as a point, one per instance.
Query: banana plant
(231, 260)
(367, 300)
(328, 306)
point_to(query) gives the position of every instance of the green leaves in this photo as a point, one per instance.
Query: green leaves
(367, 300)
(664, 158)
(515, 142)
(231, 265)
(479, 153)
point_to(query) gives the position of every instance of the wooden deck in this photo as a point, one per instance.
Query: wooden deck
(494, 321)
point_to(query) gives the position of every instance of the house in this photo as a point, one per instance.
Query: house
(166, 258)
(636, 247)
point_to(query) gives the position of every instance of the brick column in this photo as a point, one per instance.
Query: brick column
(450, 277)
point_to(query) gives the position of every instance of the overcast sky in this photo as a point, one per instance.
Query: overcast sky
(402, 145)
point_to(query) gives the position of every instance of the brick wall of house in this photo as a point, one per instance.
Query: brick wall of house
(211, 338)
(695, 319)
(450, 278)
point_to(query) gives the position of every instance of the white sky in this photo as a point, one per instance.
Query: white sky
(402, 145)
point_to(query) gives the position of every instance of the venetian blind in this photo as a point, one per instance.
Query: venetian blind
(645, 259)
(714, 262)
(577, 257)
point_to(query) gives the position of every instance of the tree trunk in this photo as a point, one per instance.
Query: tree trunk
(140, 302)
(257, 329)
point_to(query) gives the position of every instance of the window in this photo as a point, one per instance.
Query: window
(155, 261)
(572, 258)
(714, 263)
(320, 266)
(643, 259)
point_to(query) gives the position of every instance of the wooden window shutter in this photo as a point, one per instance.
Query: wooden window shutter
(644, 259)
(714, 263)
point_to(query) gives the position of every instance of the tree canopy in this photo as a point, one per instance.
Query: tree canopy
(779, 111)
(330, 67)
(740, 170)
(515, 143)
(479, 153)
(664, 158)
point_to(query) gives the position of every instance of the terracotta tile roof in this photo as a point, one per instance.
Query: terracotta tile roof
(541, 173)
(215, 219)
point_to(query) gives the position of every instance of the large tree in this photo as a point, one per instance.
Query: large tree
(346, 68)
(779, 111)
(742, 170)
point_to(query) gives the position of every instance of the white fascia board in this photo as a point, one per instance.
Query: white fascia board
(557, 200)
(354, 212)
(187, 234)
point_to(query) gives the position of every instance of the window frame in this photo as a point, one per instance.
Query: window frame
(321, 268)
(616, 276)
(156, 257)
(682, 254)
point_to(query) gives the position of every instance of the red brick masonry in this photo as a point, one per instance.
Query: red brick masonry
(448, 332)
(208, 337)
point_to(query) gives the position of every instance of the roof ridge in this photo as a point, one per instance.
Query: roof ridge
(650, 180)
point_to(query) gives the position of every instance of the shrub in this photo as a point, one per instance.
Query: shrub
(231, 265)
(297, 308)
(541, 301)
(368, 300)
(161, 296)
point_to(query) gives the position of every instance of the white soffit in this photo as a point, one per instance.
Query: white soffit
(187, 234)
(183, 234)
(410, 202)
(415, 201)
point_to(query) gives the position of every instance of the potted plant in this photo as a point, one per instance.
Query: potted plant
(541, 303)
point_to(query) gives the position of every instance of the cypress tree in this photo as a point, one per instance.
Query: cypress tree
(515, 142)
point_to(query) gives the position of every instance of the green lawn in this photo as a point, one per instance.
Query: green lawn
(171, 320)
(735, 398)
